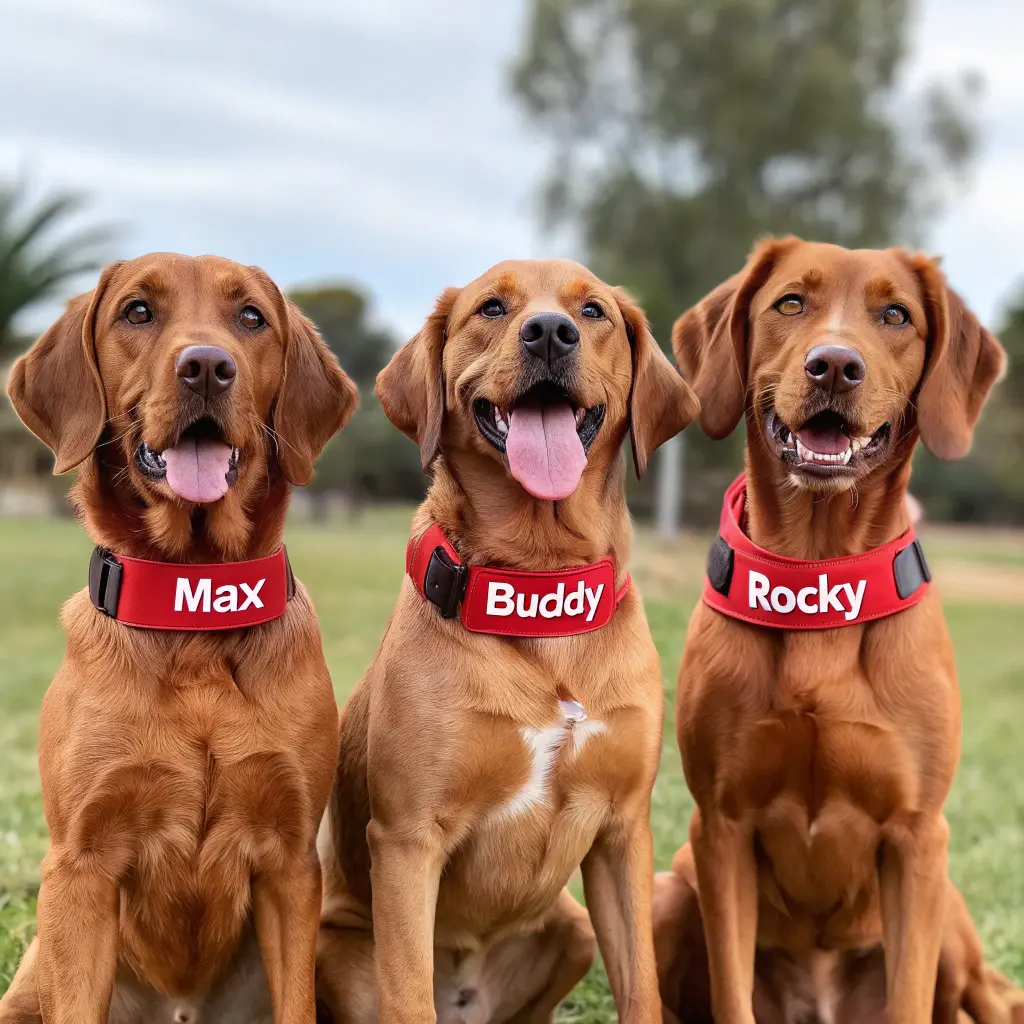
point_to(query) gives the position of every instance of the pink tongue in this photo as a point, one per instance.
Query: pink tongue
(197, 470)
(827, 439)
(545, 453)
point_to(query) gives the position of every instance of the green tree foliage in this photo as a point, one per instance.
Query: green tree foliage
(987, 486)
(682, 130)
(39, 254)
(369, 460)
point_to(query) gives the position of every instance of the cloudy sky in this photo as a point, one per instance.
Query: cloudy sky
(374, 140)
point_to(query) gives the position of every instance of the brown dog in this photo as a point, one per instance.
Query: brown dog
(477, 772)
(183, 773)
(820, 759)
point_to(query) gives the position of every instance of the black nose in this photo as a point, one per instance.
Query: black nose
(206, 370)
(549, 336)
(835, 368)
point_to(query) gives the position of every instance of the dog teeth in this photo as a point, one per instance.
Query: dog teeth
(822, 458)
(580, 413)
(499, 422)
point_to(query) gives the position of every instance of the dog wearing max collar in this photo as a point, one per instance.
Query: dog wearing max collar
(188, 741)
(509, 729)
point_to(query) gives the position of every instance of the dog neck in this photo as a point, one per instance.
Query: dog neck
(789, 519)
(234, 529)
(491, 520)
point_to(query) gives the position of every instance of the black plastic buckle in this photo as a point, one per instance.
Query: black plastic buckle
(445, 583)
(720, 563)
(104, 581)
(910, 570)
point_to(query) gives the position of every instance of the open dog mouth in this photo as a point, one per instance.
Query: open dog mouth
(199, 467)
(826, 444)
(545, 436)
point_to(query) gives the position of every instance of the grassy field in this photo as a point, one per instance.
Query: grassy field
(982, 574)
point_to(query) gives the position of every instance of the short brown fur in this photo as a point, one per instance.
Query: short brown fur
(470, 918)
(183, 775)
(820, 761)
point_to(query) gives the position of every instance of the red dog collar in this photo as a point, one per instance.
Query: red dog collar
(747, 582)
(511, 602)
(163, 595)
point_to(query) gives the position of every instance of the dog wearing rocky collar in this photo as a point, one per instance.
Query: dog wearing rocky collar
(188, 741)
(509, 728)
(817, 709)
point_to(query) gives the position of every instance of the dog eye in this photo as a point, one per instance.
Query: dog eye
(593, 310)
(790, 305)
(492, 309)
(251, 318)
(137, 313)
(896, 315)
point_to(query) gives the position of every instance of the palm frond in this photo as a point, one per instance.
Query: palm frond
(38, 253)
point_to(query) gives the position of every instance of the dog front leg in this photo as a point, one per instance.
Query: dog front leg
(286, 917)
(723, 852)
(618, 874)
(913, 888)
(405, 876)
(78, 935)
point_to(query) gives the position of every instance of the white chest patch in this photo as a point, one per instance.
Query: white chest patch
(545, 746)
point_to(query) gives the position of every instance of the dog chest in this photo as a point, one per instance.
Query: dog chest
(561, 785)
(824, 791)
(183, 797)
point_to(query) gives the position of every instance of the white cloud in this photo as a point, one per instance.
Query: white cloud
(375, 141)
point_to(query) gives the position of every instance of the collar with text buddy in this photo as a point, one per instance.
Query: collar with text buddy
(512, 602)
(168, 595)
(747, 582)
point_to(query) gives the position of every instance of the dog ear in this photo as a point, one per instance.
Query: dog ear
(710, 340)
(55, 387)
(316, 398)
(964, 361)
(661, 403)
(411, 386)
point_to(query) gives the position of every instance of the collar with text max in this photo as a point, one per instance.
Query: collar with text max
(165, 595)
(747, 582)
(512, 602)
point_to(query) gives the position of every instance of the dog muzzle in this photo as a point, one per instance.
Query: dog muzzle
(512, 602)
(166, 595)
(748, 582)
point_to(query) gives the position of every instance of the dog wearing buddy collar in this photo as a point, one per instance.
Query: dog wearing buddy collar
(817, 709)
(188, 741)
(509, 728)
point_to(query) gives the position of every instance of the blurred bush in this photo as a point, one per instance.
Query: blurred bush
(987, 486)
(369, 460)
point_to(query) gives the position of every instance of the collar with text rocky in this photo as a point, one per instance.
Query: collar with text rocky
(747, 582)
(195, 597)
(512, 602)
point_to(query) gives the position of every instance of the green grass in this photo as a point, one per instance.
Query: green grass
(353, 569)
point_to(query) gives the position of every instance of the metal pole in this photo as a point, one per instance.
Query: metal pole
(669, 488)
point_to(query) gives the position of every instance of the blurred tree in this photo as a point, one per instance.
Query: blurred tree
(683, 130)
(38, 254)
(369, 460)
(341, 314)
(987, 486)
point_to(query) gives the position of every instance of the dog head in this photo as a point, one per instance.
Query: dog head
(191, 380)
(839, 357)
(540, 368)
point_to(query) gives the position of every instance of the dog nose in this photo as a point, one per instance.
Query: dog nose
(206, 370)
(549, 336)
(835, 368)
